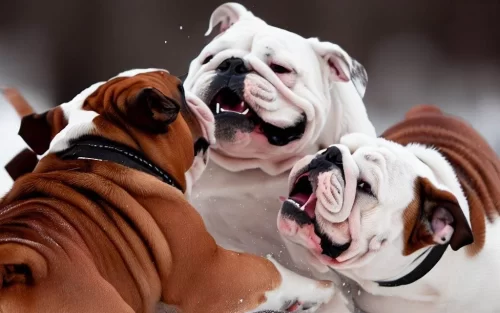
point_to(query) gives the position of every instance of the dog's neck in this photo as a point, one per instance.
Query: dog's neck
(100, 149)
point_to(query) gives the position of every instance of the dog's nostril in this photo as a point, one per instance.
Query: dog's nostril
(334, 155)
(224, 66)
(240, 69)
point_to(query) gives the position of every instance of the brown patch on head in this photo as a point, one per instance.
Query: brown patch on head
(38, 130)
(475, 163)
(418, 217)
(149, 101)
(142, 111)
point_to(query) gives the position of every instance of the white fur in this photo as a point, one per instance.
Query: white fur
(79, 121)
(458, 283)
(295, 288)
(237, 194)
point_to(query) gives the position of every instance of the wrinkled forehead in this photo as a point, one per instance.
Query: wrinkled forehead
(167, 84)
(261, 40)
(137, 78)
(402, 162)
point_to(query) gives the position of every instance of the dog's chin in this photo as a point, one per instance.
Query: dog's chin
(236, 123)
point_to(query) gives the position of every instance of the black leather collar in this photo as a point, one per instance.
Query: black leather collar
(421, 270)
(98, 148)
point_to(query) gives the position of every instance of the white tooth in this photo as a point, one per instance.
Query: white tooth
(217, 108)
(296, 204)
(222, 110)
(246, 111)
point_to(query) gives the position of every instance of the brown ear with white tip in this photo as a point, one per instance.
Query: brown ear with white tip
(226, 14)
(435, 217)
(343, 67)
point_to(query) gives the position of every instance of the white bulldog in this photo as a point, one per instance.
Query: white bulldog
(394, 213)
(276, 96)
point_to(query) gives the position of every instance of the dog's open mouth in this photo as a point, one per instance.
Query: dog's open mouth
(302, 196)
(228, 105)
(229, 101)
(300, 207)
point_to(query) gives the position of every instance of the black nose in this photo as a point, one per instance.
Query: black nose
(232, 66)
(325, 162)
(334, 155)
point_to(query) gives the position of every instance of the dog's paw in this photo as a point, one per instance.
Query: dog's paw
(297, 293)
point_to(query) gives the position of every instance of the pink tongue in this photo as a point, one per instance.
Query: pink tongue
(236, 108)
(300, 198)
(231, 106)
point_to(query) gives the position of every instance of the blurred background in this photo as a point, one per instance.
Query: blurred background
(425, 51)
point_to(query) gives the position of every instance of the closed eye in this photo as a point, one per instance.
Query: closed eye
(207, 59)
(278, 69)
(365, 188)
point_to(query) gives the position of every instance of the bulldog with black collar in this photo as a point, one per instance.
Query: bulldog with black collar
(276, 97)
(412, 217)
(102, 223)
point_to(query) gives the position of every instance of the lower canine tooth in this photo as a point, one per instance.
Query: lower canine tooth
(246, 111)
(295, 204)
(217, 108)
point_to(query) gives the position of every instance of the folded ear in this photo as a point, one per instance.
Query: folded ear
(24, 162)
(151, 110)
(226, 14)
(38, 130)
(342, 67)
(435, 217)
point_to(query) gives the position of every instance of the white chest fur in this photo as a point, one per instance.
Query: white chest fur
(240, 209)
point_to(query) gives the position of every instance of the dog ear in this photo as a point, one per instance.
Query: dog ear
(38, 130)
(226, 14)
(435, 217)
(24, 162)
(342, 67)
(152, 111)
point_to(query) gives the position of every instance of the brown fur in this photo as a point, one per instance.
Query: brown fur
(16, 99)
(475, 163)
(90, 236)
(417, 217)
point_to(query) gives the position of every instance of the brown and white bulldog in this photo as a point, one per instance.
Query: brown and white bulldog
(102, 224)
(276, 97)
(412, 217)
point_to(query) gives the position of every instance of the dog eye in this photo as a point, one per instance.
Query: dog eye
(278, 69)
(365, 188)
(207, 59)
